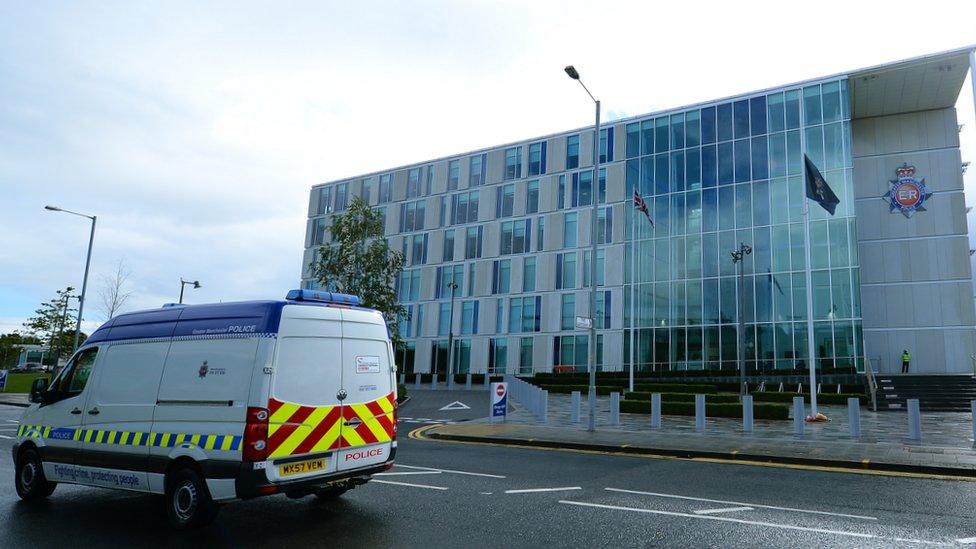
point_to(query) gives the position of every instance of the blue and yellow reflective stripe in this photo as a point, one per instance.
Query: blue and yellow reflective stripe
(134, 438)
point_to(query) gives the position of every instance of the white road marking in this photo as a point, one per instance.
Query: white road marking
(723, 510)
(456, 405)
(966, 540)
(534, 490)
(6, 437)
(410, 485)
(12, 421)
(739, 503)
(486, 493)
(450, 471)
(407, 473)
(728, 519)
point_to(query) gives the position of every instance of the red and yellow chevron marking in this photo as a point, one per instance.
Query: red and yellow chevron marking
(294, 429)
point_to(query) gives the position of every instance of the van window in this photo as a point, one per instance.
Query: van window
(307, 370)
(72, 380)
(129, 373)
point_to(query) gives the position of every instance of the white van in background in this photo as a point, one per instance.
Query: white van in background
(210, 403)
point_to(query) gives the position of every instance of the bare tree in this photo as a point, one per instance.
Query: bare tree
(114, 291)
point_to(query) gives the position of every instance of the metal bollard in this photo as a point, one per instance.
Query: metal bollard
(544, 406)
(591, 401)
(854, 413)
(450, 381)
(615, 409)
(798, 414)
(403, 378)
(699, 413)
(574, 407)
(655, 410)
(914, 420)
(487, 381)
(467, 381)
(416, 382)
(973, 405)
(433, 381)
(747, 413)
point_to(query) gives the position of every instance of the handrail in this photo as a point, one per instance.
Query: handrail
(872, 383)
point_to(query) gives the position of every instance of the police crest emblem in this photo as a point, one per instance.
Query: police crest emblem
(907, 193)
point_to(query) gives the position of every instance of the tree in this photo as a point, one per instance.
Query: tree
(114, 291)
(359, 261)
(11, 347)
(54, 324)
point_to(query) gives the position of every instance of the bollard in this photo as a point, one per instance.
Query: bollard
(416, 382)
(544, 406)
(450, 381)
(403, 378)
(487, 381)
(747, 413)
(854, 412)
(591, 401)
(467, 381)
(914, 420)
(574, 408)
(973, 405)
(798, 414)
(614, 409)
(433, 381)
(699, 413)
(655, 410)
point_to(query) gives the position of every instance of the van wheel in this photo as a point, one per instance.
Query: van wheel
(329, 494)
(188, 501)
(31, 483)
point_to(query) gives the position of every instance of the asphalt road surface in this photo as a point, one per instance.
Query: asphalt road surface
(459, 495)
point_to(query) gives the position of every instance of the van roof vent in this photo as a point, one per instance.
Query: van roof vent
(322, 297)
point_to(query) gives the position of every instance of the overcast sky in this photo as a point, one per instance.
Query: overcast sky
(194, 130)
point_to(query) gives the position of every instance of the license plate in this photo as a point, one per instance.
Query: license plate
(302, 467)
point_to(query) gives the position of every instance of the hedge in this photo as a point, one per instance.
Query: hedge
(675, 388)
(759, 411)
(823, 398)
(401, 393)
(681, 397)
(584, 389)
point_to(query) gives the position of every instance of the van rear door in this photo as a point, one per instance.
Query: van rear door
(369, 424)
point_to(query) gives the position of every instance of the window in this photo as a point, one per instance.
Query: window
(442, 217)
(566, 271)
(504, 200)
(572, 152)
(471, 278)
(469, 317)
(412, 216)
(324, 200)
(413, 183)
(419, 323)
(448, 245)
(524, 314)
(453, 174)
(444, 319)
(341, 196)
(569, 230)
(472, 242)
(567, 310)
(428, 179)
(570, 351)
(409, 287)
(406, 319)
(513, 163)
(498, 355)
(633, 140)
(537, 158)
(464, 207)
(418, 249)
(318, 231)
(447, 275)
(561, 197)
(528, 274)
(367, 189)
(501, 276)
(600, 265)
(386, 188)
(476, 175)
(500, 316)
(540, 233)
(75, 375)
(525, 355)
(602, 316)
(532, 197)
(604, 225)
(382, 215)
(515, 237)
(582, 189)
(606, 144)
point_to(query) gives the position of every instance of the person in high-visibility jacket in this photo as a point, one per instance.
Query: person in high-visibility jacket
(905, 360)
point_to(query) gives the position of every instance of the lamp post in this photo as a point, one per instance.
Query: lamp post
(64, 320)
(737, 258)
(450, 338)
(571, 71)
(84, 282)
(185, 283)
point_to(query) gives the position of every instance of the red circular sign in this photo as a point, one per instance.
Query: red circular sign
(907, 194)
(500, 390)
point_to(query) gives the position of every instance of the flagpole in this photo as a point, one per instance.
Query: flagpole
(811, 359)
(633, 286)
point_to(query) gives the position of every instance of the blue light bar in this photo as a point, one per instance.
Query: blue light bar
(322, 297)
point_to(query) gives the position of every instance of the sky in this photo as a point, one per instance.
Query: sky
(194, 130)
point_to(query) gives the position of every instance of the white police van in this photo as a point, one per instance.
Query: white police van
(210, 403)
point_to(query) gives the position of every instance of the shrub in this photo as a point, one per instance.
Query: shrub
(584, 389)
(823, 398)
(759, 411)
(401, 392)
(676, 388)
(681, 397)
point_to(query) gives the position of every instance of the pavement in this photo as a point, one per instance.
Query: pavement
(946, 447)
(453, 495)
(14, 399)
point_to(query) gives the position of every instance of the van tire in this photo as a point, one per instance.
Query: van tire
(329, 494)
(29, 478)
(188, 501)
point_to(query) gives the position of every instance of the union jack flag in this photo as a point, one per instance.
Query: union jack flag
(642, 206)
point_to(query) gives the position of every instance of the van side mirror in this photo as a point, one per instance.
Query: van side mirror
(38, 389)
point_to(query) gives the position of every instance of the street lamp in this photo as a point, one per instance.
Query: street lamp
(185, 283)
(737, 258)
(595, 194)
(84, 282)
(64, 319)
(450, 338)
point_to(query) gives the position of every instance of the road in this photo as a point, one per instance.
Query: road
(458, 495)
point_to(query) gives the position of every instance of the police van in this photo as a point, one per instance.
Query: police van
(211, 403)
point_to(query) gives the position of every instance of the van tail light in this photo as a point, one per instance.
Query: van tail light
(256, 434)
(395, 414)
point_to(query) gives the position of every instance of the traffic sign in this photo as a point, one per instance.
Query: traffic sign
(499, 400)
(3, 379)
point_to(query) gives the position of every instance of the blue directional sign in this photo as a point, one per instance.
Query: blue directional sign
(499, 400)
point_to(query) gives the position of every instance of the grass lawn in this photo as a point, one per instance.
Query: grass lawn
(21, 383)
